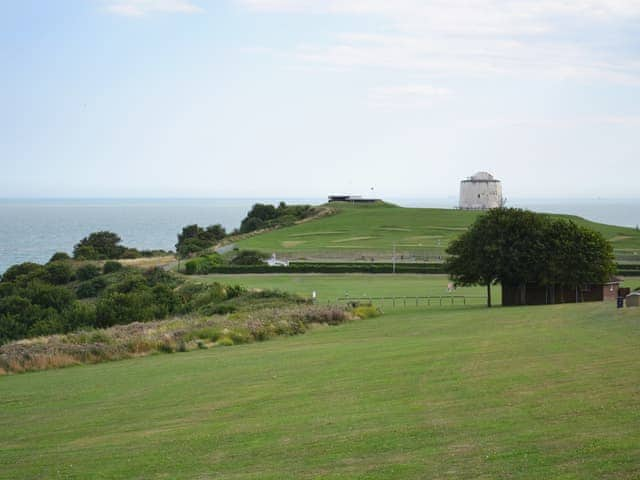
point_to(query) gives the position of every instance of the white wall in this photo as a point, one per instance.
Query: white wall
(480, 195)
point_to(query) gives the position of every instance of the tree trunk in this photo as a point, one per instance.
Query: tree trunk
(489, 295)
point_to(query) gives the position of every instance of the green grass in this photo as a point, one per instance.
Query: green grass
(369, 231)
(330, 287)
(531, 392)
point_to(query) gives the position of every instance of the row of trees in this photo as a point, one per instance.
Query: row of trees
(196, 239)
(517, 247)
(267, 216)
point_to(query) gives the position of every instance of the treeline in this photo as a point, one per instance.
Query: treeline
(195, 239)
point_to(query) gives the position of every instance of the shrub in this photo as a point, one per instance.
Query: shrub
(87, 272)
(92, 288)
(49, 296)
(79, 315)
(248, 257)
(130, 253)
(366, 311)
(86, 252)
(99, 245)
(194, 239)
(225, 342)
(207, 333)
(56, 257)
(159, 276)
(23, 271)
(204, 264)
(59, 273)
(117, 308)
(111, 267)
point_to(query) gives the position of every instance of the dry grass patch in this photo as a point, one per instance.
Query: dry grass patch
(179, 334)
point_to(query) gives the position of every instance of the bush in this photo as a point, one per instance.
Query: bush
(49, 296)
(130, 253)
(56, 257)
(248, 257)
(79, 315)
(59, 273)
(99, 245)
(159, 276)
(266, 216)
(194, 239)
(366, 311)
(203, 265)
(91, 288)
(23, 271)
(86, 252)
(111, 267)
(87, 272)
(120, 308)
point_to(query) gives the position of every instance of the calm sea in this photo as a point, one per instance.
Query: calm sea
(32, 230)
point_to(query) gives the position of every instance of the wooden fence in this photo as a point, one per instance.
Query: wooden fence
(411, 301)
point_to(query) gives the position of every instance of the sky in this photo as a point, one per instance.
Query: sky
(305, 98)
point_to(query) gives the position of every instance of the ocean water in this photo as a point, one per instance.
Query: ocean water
(32, 230)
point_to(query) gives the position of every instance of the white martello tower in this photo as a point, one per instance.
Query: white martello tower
(480, 192)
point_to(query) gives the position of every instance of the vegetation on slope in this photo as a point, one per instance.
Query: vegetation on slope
(257, 322)
(61, 297)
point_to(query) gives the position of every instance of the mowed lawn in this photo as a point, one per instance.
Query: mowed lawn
(370, 231)
(455, 392)
(329, 287)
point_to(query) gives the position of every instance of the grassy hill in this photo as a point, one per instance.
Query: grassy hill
(451, 392)
(363, 232)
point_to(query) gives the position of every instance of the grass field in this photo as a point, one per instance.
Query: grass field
(532, 392)
(330, 287)
(370, 231)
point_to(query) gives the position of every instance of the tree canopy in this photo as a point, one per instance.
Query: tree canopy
(195, 239)
(267, 216)
(518, 247)
(99, 246)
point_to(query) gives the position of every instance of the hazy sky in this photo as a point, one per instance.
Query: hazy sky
(290, 98)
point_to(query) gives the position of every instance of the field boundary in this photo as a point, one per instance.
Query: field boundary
(428, 300)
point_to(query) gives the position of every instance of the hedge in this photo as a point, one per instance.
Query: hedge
(308, 267)
(333, 268)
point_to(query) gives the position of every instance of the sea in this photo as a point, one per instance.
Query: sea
(34, 229)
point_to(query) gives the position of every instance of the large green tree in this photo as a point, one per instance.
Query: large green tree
(517, 247)
(577, 256)
(504, 245)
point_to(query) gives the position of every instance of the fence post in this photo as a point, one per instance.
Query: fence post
(394, 302)
(440, 301)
